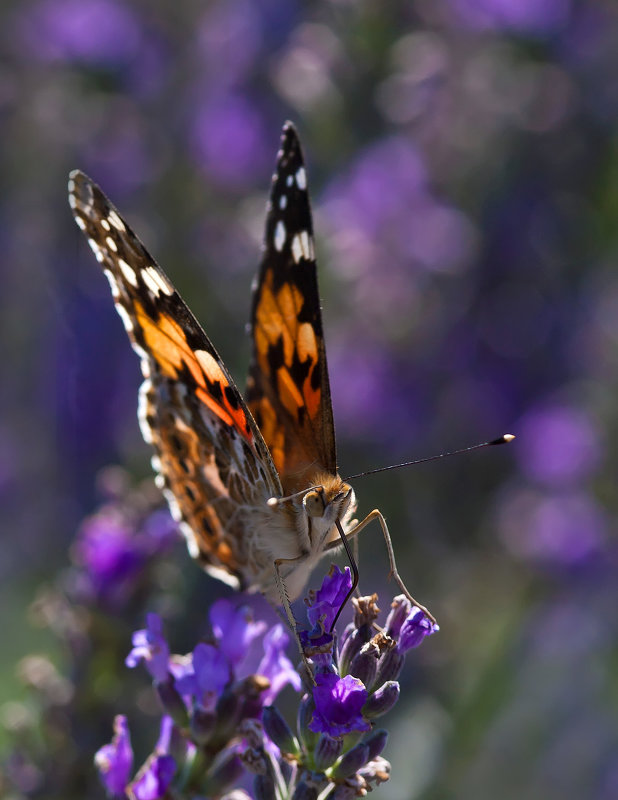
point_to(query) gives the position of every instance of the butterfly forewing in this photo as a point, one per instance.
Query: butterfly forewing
(288, 388)
(211, 456)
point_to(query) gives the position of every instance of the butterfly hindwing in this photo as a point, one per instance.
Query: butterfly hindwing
(288, 389)
(210, 454)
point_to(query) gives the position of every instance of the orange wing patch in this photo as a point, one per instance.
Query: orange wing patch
(286, 349)
(167, 343)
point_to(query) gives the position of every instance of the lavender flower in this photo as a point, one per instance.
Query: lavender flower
(116, 546)
(115, 760)
(328, 757)
(219, 719)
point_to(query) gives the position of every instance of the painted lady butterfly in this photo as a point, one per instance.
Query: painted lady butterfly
(253, 484)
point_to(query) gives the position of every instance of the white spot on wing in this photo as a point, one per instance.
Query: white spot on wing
(128, 272)
(81, 223)
(124, 316)
(289, 180)
(105, 225)
(143, 404)
(116, 221)
(98, 253)
(72, 200)
(187, 532)
(111, 244)
(279, 236)
(301, 178)
(113, 283)
(302, 247)
(156, 282)
(283, 201)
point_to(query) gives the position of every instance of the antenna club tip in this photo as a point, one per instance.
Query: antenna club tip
(272, 502)
(506, 439)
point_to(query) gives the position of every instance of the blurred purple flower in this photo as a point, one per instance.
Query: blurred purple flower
(384, 206)
(338, 704)
(368, 394)
(205, 681)
(558, 445)
(161, 531)
(112, 549)
(276, 666)
(228, 139)
(324, 604)
(563, 529)
(91, 31)
(108, 550)
(154, 778)
(150, 646)
(229, 33)
(526, 16)
(234, 629)
(114, 761)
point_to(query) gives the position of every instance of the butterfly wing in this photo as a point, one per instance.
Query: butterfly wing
(210, 454)
(288, 390)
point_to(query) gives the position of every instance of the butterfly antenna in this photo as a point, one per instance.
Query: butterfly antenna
(505, 439)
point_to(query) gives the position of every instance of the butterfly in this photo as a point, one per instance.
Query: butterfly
(253, 481)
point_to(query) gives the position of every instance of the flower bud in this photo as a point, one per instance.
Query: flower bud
(202, 725)
(389, 666)
(327, 751)
(228, 712)
(278, 731)
(351, 647)
(364, 665)
(264, 787)
(304, 791)
(400, 608)
(224, 772)
(376, 742)
(306, 709)
(352, 761)
(381, 701)
(172, 702)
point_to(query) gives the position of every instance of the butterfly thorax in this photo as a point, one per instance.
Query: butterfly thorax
(299, 530)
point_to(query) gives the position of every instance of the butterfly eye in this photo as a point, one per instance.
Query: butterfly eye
(314, 503)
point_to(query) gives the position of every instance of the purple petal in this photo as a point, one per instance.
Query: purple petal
(109, 551)
(276, 666)
(414, 630)
(338, 704)
(234, 629)
(149, 646)
(154, 778)
(326, 602)
(114, 761)
(212, 673)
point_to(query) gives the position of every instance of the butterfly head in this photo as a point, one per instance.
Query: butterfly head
(330, 498)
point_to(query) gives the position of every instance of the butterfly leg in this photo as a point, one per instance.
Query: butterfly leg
(285, 600)
(376, 514)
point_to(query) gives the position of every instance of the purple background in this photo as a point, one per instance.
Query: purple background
(463, 166)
